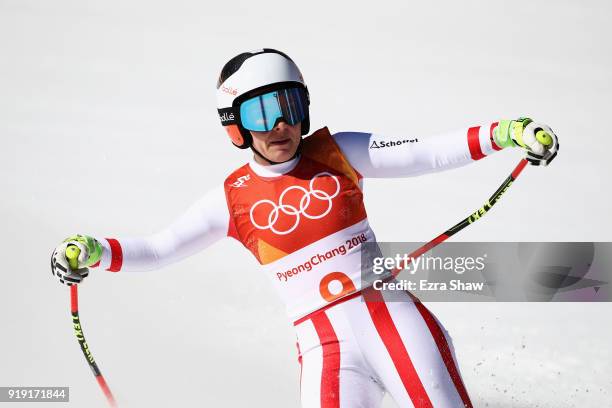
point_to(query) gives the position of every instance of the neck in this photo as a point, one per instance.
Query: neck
(262, 160)
(273, 170)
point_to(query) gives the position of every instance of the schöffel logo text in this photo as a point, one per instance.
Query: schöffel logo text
(382, 143)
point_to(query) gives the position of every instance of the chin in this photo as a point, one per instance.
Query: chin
(281, 157)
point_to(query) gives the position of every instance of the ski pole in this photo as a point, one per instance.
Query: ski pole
(472, 218)
(72, 254)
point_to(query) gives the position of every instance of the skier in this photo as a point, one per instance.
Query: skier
(297, 205)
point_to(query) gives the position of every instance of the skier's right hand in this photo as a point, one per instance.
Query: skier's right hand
(90, 253)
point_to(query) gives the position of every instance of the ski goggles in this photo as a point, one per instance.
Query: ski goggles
(261, 113)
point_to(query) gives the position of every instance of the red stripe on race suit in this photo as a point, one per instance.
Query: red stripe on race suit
(116, 255)
(321, 310)
(474, 143)
(444, 349)
(493, 126)
(330, 373)
(395, 347)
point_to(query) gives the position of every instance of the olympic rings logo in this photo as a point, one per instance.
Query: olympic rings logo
(291, 210)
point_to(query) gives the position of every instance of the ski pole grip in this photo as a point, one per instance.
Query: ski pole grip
(543, 137)
(72, 254)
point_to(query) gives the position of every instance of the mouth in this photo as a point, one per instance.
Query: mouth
(281, 142)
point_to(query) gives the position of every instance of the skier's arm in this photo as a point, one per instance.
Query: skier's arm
(378, 156)
(201, 225)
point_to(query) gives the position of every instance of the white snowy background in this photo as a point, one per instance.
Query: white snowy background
(108, 127)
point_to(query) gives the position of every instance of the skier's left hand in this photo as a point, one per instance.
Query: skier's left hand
(537, 139)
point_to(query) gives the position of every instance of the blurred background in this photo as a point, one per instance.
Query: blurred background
(108, 126)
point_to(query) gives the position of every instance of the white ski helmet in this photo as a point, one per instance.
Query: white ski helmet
(251, 74)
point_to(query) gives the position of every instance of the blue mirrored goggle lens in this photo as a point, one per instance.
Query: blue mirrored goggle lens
(261, 113)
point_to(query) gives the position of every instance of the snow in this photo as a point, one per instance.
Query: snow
(108, 126)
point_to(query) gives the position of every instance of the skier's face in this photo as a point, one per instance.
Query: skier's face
(279, 144)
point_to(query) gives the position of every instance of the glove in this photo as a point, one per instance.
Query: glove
(537, 139)
(91, 252)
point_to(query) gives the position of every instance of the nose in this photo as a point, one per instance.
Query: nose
(281, 124)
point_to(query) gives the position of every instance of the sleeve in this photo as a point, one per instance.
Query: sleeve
(200, 226)
(377, 156)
